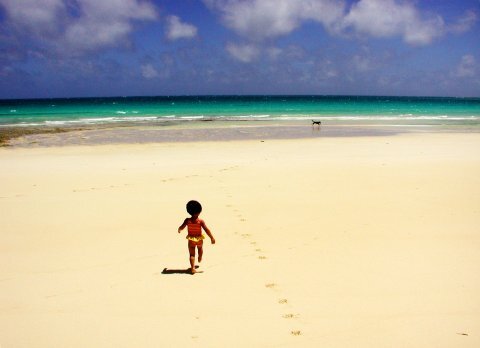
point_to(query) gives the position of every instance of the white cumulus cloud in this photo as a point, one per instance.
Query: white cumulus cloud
(106, 22)
(387, 18)
(176, 29)
(95, 24)
(262, 19)
(42, 16)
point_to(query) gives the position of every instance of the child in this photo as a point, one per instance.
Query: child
(195, 236)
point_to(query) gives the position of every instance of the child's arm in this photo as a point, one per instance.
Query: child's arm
(207, 231)
(183, 225)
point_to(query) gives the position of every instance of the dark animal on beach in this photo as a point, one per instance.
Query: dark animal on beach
(316, 123)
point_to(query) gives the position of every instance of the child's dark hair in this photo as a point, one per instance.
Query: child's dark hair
(194, 207)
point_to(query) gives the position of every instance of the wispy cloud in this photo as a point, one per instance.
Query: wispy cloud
(466, 67)
(244, 53)
(464, 23)
(148, 71)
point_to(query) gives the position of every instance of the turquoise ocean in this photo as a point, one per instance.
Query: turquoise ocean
(162, 110)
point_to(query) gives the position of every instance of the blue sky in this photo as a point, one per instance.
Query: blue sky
(83, 48)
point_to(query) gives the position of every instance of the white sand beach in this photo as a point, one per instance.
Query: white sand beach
(328, 242)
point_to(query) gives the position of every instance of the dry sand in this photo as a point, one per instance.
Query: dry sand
(333, 242)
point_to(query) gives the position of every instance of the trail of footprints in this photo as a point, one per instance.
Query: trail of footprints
(165, 180)
(126, 185)
(260, 255)
(110, 187)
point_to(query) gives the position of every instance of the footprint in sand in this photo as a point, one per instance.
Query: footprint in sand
(284, 301)
(64, 294)
(289, 316)
(262, 257)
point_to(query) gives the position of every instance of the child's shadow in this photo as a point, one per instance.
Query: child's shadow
(179, 271)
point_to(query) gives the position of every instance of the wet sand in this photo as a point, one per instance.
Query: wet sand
(202, 131)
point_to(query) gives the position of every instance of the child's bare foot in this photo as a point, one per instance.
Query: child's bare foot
(193, 271)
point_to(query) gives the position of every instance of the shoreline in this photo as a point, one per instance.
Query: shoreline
(199, 131)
